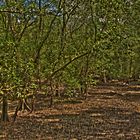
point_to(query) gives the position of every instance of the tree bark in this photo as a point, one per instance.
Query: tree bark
(22, 105)
(4, 115)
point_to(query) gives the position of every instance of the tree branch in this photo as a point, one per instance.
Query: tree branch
(64, 66)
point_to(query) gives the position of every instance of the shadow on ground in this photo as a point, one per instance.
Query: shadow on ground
(100, 116)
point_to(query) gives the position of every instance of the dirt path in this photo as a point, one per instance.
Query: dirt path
(107, 113)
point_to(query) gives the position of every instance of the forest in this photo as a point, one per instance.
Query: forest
(67, 62)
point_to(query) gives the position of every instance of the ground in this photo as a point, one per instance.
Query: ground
(108, 113)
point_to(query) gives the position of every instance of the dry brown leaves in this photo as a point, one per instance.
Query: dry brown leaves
(107, 113)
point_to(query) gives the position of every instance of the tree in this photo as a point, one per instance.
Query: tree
(65, 43)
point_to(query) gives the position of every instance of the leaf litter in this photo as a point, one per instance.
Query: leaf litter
(105, 114)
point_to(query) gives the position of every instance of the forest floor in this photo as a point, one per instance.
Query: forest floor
(110, 112)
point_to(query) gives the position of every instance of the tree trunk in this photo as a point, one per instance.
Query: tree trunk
(22, 105)
(4, 115)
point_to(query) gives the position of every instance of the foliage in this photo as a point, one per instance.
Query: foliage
(75, 43)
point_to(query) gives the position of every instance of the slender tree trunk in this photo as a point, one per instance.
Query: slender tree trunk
(104, 77)
(130, 67)
(22, 105)
(4, 115)
(52, 94)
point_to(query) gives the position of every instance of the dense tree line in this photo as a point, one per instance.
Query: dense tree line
(45, 45)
